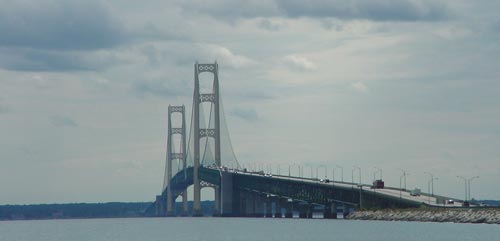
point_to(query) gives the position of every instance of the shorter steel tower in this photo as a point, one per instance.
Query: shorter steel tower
(175, 156)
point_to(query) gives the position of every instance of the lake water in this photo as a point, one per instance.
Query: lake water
(241, 229)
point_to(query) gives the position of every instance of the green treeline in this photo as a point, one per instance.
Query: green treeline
(85, 210)
(73, 210)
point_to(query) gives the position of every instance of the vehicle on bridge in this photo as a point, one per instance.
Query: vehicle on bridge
(378, 184)
(415, 192)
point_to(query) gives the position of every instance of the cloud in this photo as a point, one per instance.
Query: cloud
(330, 24)
(249, 115)
(57, 35)
(302, 63)
(224, 55)
(4, 108)
(26, 59)
(231, 10)
(374, 10)
(58, 24)
(161, 87)
(62, 121)
(269, 25)
(358, 86)
(186, 53)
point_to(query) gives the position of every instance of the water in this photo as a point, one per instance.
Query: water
(239, 229)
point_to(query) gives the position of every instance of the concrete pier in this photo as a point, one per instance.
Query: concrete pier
(277, 208)
(160, 206)
(217, 211)
(269, 208)
(303, 210)
(345, 211)
(330, 211)
(249, 203)
(259, 205)
(310, 211)
(289, 209)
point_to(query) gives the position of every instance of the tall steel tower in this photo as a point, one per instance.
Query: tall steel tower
(199, 133)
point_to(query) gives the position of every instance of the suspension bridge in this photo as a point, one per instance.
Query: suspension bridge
(203, 157)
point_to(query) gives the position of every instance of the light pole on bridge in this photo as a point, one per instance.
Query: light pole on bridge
(405, 173)
(298, 168)
(317, 170)
(430, 185)
(467, 186)
(301, 170)
(359, 170)
(360, 186)
(403, 176)
(279, 168)
(469, 180)
(341, 173)
(352, 177)
(311, 168)
(374, 174)
(269, 168)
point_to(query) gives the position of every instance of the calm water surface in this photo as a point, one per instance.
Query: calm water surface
(250, 229)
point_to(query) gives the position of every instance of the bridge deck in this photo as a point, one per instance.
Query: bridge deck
(393, 192)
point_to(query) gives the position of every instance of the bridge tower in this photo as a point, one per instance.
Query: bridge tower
(199, 133)
(175, 156)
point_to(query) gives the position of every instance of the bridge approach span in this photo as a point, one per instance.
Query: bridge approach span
(250, 193)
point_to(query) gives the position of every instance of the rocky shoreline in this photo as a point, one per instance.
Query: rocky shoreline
(490, 216)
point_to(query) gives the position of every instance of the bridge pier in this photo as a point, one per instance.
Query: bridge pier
(170, 204)
(249, 205)
(303, 208)
(185, 211)
(228, 196)
(197, 212)
(327, 211)
(330, 211)
(217, 211)
(277, 208)
(333, 211)
(258, 203)
(288, 209)
(170, 207)
(310, 211)
(269, 208)
(241, 204)
(345, 211)
(160, 206)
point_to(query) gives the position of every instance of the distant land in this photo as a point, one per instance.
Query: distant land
(104, 210)
(85, 210)
(489, 202)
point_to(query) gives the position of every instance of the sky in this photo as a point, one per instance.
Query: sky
(392, 84)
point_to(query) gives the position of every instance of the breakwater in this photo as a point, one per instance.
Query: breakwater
(489, 215)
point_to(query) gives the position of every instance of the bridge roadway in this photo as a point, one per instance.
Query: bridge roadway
(423, 198)
(247, 193)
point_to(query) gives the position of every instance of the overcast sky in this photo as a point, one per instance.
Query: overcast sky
(85, 85)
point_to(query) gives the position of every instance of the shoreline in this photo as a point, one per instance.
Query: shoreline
(488, 216)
